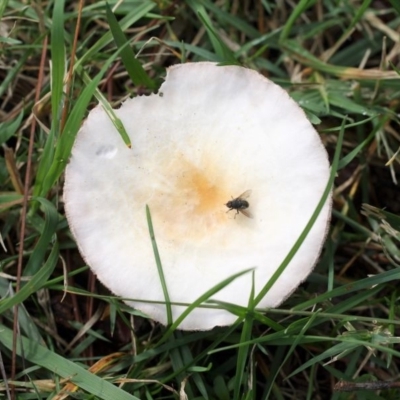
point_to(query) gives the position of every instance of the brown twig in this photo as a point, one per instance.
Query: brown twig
(353, 386)
(23, 214)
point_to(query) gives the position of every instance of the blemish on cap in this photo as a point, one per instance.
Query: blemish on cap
(106, 151)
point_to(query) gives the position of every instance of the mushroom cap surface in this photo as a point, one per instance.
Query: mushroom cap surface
(209, 134)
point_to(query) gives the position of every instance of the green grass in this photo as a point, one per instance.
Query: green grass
(340, 61)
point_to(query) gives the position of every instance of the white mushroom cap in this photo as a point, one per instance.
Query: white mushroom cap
(209, 135)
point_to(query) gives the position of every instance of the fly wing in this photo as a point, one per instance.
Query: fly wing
(248, 214)
(245, 195)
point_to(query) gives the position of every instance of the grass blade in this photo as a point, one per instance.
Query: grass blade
(36, 283)
(310, 223)
(49, 228)
(244, 350)
(225, 55)
(132, 65)
(159, 266)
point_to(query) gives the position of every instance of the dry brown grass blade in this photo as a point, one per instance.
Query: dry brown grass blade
(99, 366)
(12, 169)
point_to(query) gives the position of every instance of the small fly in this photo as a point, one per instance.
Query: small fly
(240, 204)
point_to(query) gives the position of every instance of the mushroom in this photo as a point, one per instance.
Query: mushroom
(211, 134)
